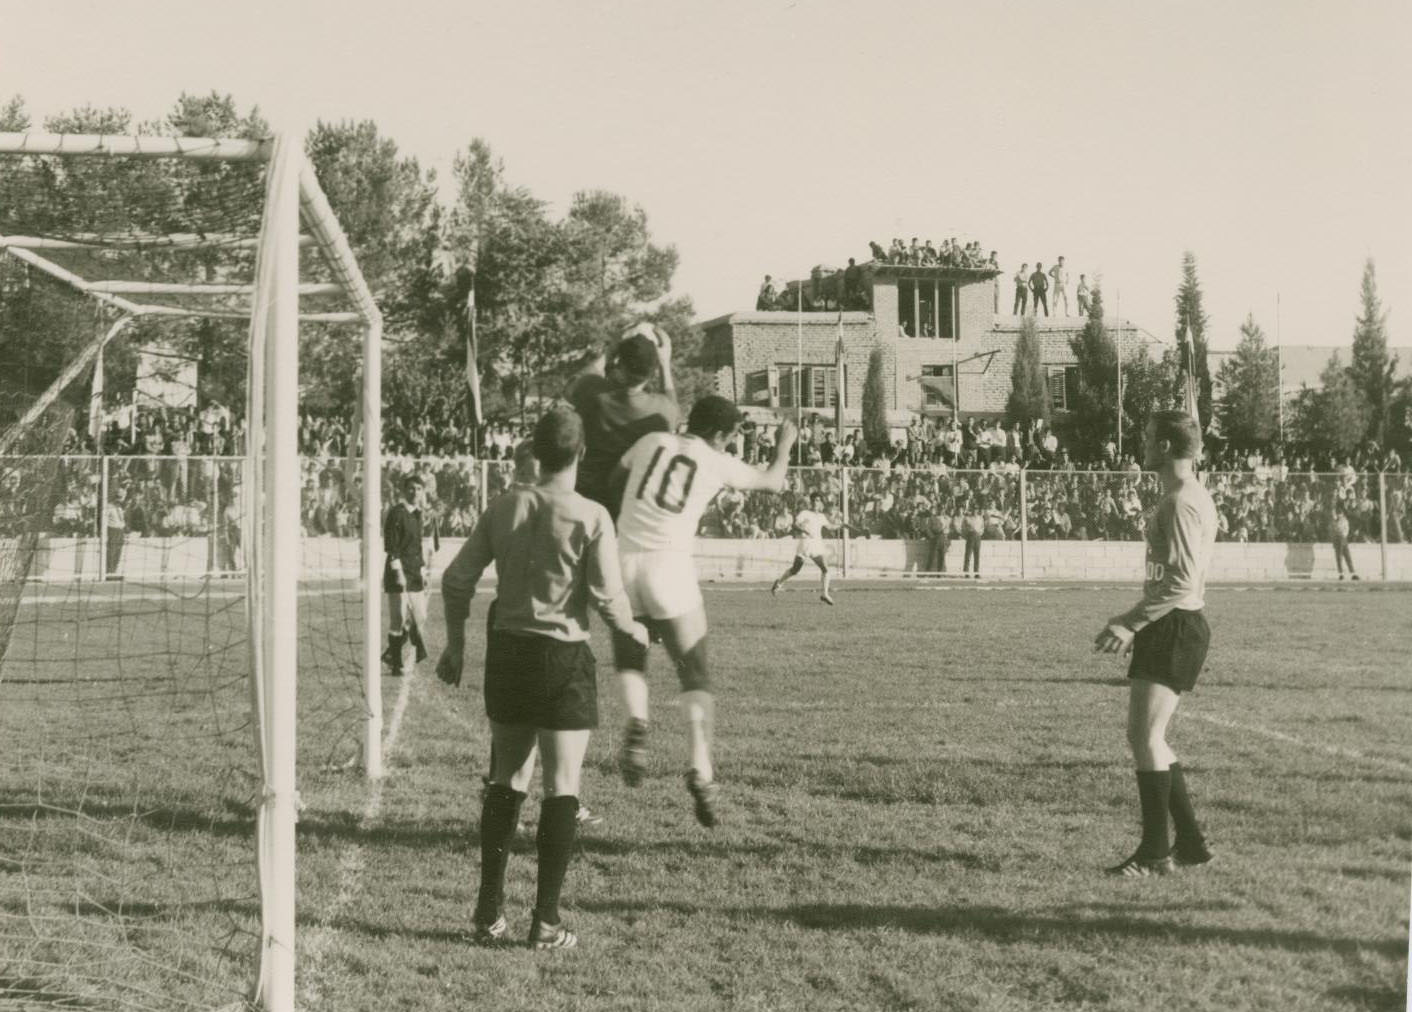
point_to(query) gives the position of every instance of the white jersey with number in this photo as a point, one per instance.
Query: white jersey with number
(671, 480)
(811, 539)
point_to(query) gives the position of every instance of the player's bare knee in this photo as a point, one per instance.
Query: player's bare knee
(692, 670)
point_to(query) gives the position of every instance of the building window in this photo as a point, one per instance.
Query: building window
(924, 308)
(818, 385)
(1063, 386)
(938, 387)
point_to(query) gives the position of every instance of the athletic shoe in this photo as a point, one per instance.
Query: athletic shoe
(1186, 855)
(490, 934)
(586, 817)
(775, 589)
(1142, 867)
(705, 796)
(550, 936)
(1355, 578)
(826, 598)
(632, 757)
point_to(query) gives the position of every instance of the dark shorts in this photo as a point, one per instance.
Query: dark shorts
(1172, 650)
(540, 682)
(413, 578)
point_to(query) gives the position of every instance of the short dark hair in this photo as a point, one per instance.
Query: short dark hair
(558, 439)
(1180, 431)
(712, 414)
(636, 356)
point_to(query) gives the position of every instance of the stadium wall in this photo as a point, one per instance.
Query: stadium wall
(724, 560)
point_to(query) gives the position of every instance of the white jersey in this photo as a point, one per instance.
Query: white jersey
(811, 539)
(671, 480)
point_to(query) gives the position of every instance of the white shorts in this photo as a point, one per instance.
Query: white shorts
(809, 548)
(661, 585)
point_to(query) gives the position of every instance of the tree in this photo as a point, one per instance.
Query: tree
(1147, 387)
(1095, 407)
(1372, 368)
(1250, 404)
(14, 118)
(1334, 418)
(1029, 391)
(875, 428)
(1191, 323)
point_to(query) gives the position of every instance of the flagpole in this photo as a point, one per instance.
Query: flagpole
(1279, 370)
(1118, 316)
(799, 367)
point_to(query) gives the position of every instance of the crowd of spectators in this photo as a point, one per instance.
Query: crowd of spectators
(951, 253)
(935, 475)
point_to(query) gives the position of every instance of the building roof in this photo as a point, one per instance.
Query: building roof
(1301, 365)
(787, 317)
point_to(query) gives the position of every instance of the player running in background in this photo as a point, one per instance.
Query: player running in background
(403, 577)
(554, 553)
(1167, 635)
(810, 524)
(670, 481)
(617, 408)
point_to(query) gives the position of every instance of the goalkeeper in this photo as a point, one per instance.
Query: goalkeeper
(554, 553)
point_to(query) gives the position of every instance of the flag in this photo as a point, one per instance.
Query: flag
(472, 353)
(840, 383)
(95, 404)
(1188, 390)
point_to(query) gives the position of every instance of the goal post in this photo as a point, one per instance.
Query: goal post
(295, 216)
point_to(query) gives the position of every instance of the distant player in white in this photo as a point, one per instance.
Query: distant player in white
(809, 524)
(670, 480)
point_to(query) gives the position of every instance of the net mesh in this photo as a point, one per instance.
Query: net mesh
(127, 807)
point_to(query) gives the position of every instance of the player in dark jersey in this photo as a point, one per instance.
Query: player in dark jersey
(403, 577)
(617, 408)
(1167, 635)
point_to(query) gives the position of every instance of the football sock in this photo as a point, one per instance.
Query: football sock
(499, 814)
(1183, 815)
(1154, 789)
(635, 695)
(701, 718)
(558, 823)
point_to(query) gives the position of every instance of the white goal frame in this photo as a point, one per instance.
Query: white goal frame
(293, 199)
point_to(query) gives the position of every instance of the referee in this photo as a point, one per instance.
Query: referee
(554, 552)
(1167, 635)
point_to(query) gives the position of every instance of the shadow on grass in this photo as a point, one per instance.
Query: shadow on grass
(1058, 925)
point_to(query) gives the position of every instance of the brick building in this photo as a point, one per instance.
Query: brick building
(935, 325)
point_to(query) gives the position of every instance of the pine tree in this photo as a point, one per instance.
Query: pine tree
(1249, 410)
(1334, 418)
(1372, 368)
(1192, 320)
(875, 430)
(1029, 393)
(1094, 410)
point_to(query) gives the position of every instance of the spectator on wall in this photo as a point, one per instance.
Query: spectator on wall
(1039, 285)
(1022, 290)
(766, 298)
(1060, 275)
(1081, 294)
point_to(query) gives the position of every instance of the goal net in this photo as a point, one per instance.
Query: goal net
(178, 650)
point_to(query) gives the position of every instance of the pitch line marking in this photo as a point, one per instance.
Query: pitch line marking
(354, 861)
(1289, 739)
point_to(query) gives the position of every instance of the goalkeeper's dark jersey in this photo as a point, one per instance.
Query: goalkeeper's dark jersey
(613, 421)
(402, 540)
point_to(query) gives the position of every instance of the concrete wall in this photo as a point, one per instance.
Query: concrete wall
(157, 559)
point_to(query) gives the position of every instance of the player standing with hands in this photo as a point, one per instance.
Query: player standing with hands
(555, 553)
(1168, 637)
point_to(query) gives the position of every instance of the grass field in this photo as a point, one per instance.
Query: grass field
(922, 787)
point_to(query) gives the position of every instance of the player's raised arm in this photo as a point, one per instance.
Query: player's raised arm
(772, 479)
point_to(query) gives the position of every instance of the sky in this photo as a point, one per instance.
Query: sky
(1268, 137)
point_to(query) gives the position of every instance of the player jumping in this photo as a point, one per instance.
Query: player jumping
(1168, 638)
(809, 524)
(670, 481)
